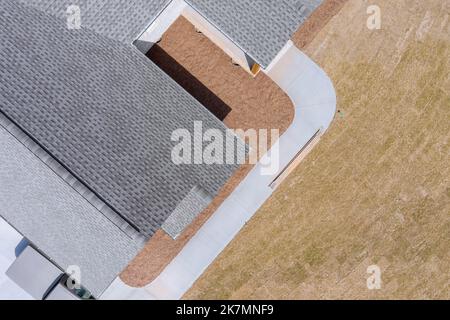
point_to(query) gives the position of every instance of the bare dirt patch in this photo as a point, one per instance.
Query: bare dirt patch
(241, 101)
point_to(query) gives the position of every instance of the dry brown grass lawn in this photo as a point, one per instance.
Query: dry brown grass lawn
(376, 189)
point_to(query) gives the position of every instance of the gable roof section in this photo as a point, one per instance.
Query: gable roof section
(260, 27)
(104, 111)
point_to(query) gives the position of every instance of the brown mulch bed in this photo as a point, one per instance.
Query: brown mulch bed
(234, 96)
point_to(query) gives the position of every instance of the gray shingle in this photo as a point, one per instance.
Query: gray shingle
(76, 185)
(260, 27)
(104, 111)
(58, 221)
(186, 212)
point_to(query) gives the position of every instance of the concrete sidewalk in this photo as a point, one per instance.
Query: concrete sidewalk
(314, 99)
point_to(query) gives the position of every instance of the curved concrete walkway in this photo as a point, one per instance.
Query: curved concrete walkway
(314, 99)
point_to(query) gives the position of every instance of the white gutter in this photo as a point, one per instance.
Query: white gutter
(179, 8)
(314, 99)
(160, 25)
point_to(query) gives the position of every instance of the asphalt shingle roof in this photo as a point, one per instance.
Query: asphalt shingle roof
(260, 27)
(122, 20)
(58, 220)
(105, 111)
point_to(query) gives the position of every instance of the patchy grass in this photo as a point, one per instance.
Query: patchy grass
(376, 189)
